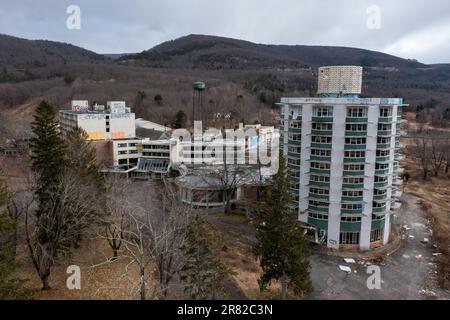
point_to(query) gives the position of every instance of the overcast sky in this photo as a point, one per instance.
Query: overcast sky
(411, 29)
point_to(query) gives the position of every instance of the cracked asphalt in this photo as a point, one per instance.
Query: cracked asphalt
(408, 273)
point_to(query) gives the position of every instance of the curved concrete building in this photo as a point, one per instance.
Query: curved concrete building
(342, 155)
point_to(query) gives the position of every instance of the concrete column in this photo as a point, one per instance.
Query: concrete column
(336, 179)
(369, 176)
(304, 162)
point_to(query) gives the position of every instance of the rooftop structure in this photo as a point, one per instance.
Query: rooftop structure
(340, 80)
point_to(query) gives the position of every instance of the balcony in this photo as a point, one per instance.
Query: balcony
(319, 171)
(318, 209)
(384, 133)
(294, 154)
(356, 133)
(319, 223)
(382, 172)
(354, 160)
(379, 209)
(321, 145)
(350, 226)
(353, 186)
(353, 173)
(320, 158)
(355, 147)
(385, 119)
(381, 184)
(351, 211)
(352, 199)
(377, 224)
(322, 119)
(295, 142)
(383, 159)
(295, 130)
(318, 184)
(356, 120)
(380, 197)
(319, 196)
(321, 132)
(383, 145)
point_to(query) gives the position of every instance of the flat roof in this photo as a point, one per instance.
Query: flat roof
(343, 100)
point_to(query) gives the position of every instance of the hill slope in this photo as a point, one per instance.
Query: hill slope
(211, 52)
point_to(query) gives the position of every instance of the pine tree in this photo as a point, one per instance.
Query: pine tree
(47, 153)
(10, 287)
(180, 120)
(282, 247)
(81, 158)
(82, 167)
(203, 272)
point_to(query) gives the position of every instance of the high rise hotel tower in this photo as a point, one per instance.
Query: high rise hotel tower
(342, 153)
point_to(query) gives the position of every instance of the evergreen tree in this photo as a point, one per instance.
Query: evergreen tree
(203, 272)
(10, 287)
(82, 167)
(81, 158)
(180, 120)
(48, 150)
(282, 247)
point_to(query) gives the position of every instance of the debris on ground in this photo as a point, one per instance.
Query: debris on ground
(418, 256)
(428, 293)
(405, 256)
(345, 269)
(425, 240)
(349, 260)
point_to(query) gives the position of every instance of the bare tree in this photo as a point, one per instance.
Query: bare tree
(153, 232)
(72, 208)
(20, 203)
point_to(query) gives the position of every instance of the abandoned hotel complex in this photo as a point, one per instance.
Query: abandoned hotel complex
(342, 155)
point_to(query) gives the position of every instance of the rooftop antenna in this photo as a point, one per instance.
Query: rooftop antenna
(197, 101)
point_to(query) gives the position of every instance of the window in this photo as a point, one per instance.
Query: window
(356, 127)
(384, 127)
(322, 126)
(355, 154)
(376, 235)
(318, 203)
(349, 238)
(123, 152)
(379, 192)
(377, 217)
(294, 161)
(385, 112)
(295, 124)
(320, 139)
(353, 167)
(323, 111)
(351, 219)
(319, 216)
(319, 191)
(381, 166)
(123, 161)
(321, 152)
(380, 179)
(383, 140)
(351, 206)
(133, 144)
(352, 193)
(295, 136)
(379, 204)
(295, 149)
(319, 178)
(383, 153)
(355, 140)
(356, 112)
(353, 180)
(320, 165)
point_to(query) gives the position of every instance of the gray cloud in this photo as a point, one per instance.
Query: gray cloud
(410, 29)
